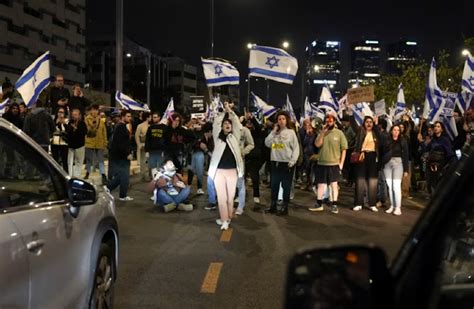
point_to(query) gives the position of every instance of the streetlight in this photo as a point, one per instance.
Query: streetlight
(128, 55)
(250, 45)
(465, 52)
(316, 68)
(286, 44)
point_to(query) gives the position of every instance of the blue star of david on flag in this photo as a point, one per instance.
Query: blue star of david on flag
(218, 69)
(272, 62)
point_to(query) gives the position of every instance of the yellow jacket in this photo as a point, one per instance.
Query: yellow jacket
(96, 137)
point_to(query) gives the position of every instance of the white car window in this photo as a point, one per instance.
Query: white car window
(25, 176)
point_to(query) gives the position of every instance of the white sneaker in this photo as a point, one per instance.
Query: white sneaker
(236, 200)
(225, 225)
(126, 199)
(219, 221)
(200, 192)
(239, 211)
(397, 212)
(185, 207)
(152, 198)
(390, 210)
(357, 208)
(374, 209)
(256, 200)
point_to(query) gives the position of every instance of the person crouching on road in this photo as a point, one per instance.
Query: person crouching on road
(171, 192)
(226, 162)
(285, 150)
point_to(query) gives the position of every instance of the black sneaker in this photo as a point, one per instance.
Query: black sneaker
(104, 179)
(87, 175)
(334, 209)
(210, 207)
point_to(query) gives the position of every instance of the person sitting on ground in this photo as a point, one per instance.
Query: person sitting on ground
(170, 191)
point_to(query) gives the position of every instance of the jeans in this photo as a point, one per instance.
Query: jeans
(92, 156)
(119, 174)
(381, 187)
(366, 180)
(156, 159)
(75, 159)
(60, 153)
(281, 173)
(163, 198)
(393, 171)
(197, 166)
(252, 166)
(241, 191)
(211, 191)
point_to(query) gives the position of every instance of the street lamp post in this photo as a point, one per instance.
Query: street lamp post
(119, 46)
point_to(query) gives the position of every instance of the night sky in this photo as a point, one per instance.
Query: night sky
(183, 26)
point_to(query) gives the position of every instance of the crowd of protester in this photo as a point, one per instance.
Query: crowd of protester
(385, 161)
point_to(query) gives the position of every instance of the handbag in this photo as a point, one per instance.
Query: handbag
(357, 157)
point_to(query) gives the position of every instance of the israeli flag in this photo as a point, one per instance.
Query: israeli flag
(328, 103)
(272, 63)
(267, 110)
(433, 94)
(168, 112)
(218, 73)
(466, 97)
(468, 75)
(3, 106)
(34, 79)
(445, 114)
(342, 105)
(361, 110)
(130, 104)
(311, 110)
(400, 108)
(289, 108)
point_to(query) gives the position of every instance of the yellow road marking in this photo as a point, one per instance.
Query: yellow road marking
(226, 235)
(209, 285)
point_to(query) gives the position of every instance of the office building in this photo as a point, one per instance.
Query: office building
(365, 62)
(30, 28)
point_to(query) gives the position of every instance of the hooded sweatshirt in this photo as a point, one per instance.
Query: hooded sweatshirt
(284, 146)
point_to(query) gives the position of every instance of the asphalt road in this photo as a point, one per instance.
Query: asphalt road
(183, 260)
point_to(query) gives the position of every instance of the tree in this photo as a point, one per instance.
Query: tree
(415, 78)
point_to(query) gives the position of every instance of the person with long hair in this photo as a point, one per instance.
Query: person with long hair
(367, 169)
(395, 166)
(226, 164)
(285, 150)
(440, 153)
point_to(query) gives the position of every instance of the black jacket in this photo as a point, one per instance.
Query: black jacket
(76, 137)
(120, 145)
(387, 152)
(78, 103)
(17, 121)
(55, 95)
(155, 137)
(39, 126)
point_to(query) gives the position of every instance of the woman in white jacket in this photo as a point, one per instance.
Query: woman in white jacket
(226, 164)
(285, 150)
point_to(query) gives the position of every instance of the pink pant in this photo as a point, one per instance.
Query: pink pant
(225, 183)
